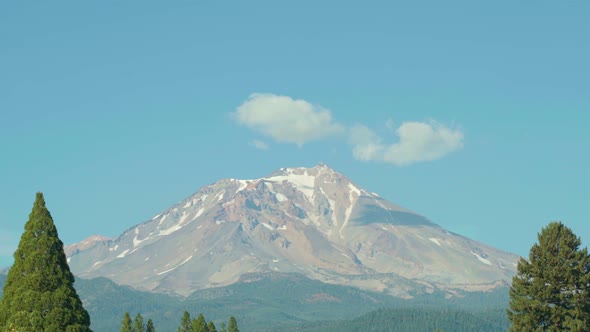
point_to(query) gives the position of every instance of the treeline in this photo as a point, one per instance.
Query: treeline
(187, 324)
(416, 319)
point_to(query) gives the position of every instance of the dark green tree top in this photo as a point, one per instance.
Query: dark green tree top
(199, 324)
(211, 327)
(150, 326)
(138, 325)
(551, 291)
(185, 323)
(233, 325)
(126, 324)
(39, 293)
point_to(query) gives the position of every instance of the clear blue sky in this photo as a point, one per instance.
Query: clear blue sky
(474, 114)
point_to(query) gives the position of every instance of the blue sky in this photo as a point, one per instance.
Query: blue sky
(473, 114)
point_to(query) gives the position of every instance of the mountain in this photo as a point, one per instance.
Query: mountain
(313, 221)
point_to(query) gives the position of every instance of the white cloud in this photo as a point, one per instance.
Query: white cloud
(418, 142)
(286, 119)
(260, 145)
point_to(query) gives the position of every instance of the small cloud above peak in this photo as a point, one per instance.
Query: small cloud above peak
(297, 121)
(418, 142)
(285, 119)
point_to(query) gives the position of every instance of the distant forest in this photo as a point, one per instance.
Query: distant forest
(251, 303)
(415, 319)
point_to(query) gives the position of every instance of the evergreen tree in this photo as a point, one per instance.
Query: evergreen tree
(127, 323)
(150, 326)
(185, 323)
(199, 324)
(138, 325)
(39, 293)
(233, 325)
(551, 291)
(211, 327)
(223, 327)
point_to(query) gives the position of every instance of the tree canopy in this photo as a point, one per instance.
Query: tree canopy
(233, 325)
(138, 325)
(39, 293)
(127, 323)
(150, 326)
(185, 323)
(551, 291)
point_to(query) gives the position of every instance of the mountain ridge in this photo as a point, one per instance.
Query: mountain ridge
(314, 221)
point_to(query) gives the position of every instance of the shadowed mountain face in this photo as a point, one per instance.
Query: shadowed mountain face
(312, 221)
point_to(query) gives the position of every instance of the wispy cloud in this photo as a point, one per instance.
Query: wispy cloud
(296, 121)
(260, 145)
(286, 119)
(418, 142)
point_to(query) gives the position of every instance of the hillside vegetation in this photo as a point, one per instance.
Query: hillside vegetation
(290, 302)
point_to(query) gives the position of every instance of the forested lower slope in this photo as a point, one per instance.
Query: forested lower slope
(415, 319)
(294, 303)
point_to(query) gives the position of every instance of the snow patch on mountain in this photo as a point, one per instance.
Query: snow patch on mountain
(304, 182)
(268, 226)
(183, 218)
(170, 230)
(243, 185)
(199, 213)
(162, 220)
(481, 259)
(435, 240)
(177, 266)
(121, 255)
(280, 197)
(136, 241)
(220, 196)
(354, 189)
(348, 209)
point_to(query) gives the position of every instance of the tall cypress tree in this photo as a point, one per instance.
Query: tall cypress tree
(39, 293)
(551, 291)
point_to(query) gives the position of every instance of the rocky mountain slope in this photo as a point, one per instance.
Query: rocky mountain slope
(312, 221)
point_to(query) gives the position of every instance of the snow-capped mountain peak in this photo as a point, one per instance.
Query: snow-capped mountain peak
(313, 221)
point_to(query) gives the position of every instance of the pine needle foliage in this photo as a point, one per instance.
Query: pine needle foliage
(551, 291)
(39, 293)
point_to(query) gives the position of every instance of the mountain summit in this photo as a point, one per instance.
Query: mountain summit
(312, 221)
